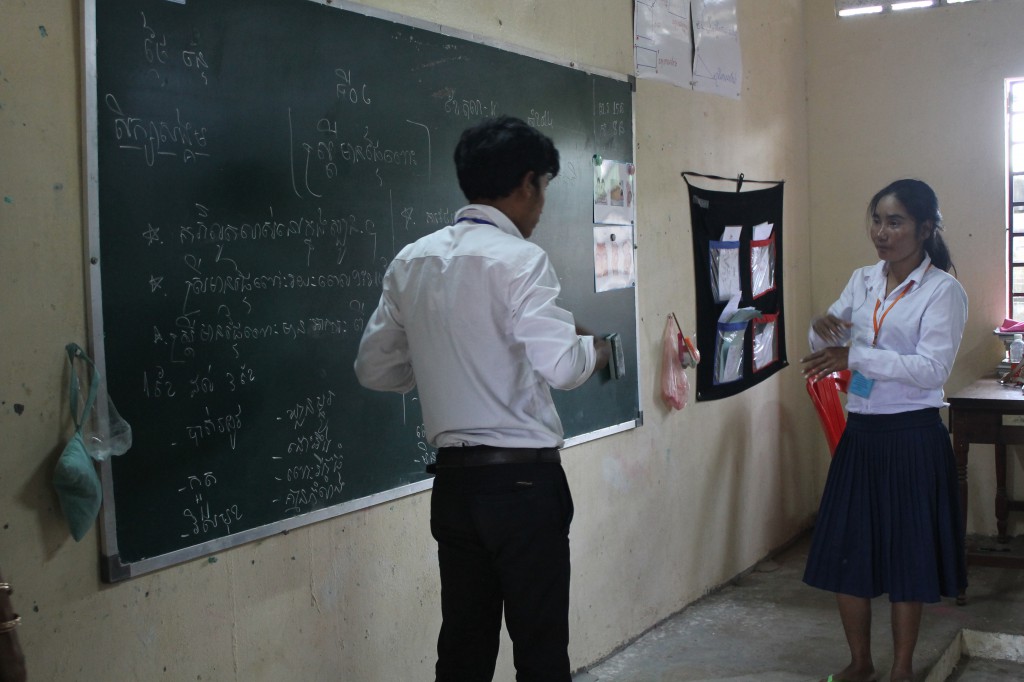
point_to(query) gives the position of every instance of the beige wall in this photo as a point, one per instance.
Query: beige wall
(921, 95)
(664, 512)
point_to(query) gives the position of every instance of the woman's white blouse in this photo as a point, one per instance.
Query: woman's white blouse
(917, 340)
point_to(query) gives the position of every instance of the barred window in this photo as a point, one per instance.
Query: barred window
(1015, 195)
(850, 8)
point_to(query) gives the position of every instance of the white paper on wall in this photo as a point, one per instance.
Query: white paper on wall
(717, 64)
(614, 265)
(662, 45)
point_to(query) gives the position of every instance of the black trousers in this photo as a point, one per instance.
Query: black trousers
(502, 534)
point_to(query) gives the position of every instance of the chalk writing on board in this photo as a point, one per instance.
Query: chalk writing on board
(346, 90)
(157, 138)
(441, 216)
(191, 333)
(200, 520)
(157, 385)
(154, 48)
(317, 492)
(314, 223)
(244, 377)
(611, 109)
(328, 152)
(194, 59)
(541, 119)
(425, 453)
(311, 481)
(151, 234)
(203, 284)
(610, 119)
(201, 383)
(227, 424)
(470, 108)
(309, 407)
(309, 160)
(426, 130)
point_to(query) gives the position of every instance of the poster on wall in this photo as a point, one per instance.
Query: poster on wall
(717, 65)
(662, 45)
(614, 191)
(613, 257)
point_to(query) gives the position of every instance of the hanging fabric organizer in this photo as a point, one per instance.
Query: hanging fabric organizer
(737, 251)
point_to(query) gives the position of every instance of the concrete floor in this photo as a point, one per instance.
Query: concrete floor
(768, 626)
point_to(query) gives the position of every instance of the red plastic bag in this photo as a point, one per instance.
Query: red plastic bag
(675, 388)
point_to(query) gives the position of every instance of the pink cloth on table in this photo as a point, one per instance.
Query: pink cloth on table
(1011, 326)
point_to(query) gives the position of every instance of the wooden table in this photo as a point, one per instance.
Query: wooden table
(986, 412)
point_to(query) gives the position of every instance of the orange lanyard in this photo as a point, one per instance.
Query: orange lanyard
(877, 323)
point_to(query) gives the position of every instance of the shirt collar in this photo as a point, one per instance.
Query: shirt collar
(878, 273)
(491, 215)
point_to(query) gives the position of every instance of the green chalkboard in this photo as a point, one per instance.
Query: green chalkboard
(254, 165)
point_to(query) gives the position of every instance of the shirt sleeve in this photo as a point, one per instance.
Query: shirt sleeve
(383, 362)
(928, 367)
(547, 331)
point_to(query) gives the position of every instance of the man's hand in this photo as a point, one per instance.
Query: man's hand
(603, 352)
(602, 348)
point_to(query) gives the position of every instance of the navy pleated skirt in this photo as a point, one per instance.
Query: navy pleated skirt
(889, 520)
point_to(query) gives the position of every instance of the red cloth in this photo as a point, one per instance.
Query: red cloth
(1011, 326)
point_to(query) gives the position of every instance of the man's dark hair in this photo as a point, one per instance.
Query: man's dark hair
(493, 156)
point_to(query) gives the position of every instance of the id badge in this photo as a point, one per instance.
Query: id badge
(860, 385)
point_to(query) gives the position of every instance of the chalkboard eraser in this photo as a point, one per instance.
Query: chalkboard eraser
(617, 362)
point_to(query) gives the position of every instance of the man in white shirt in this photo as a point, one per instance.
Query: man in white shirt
(469, 316)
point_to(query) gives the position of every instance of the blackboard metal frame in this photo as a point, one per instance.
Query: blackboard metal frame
(112, 569)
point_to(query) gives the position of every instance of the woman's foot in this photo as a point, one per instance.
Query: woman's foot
(853, 673)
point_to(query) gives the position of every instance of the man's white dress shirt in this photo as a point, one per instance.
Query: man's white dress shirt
(469, 316)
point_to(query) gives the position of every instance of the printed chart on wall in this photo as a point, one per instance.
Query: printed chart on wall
(254, 167)
(663, 49)
(717, 63)
(692, 44)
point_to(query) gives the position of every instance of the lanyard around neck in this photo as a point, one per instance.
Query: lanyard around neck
(478, 221)
(875, 321)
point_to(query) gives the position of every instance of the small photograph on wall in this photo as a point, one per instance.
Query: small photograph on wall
(613, 258)
(614, 193)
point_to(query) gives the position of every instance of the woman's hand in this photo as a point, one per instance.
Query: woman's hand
(825, 361)
(831, 329)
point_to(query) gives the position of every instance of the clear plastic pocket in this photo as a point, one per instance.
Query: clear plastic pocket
(765, 342)
(762, 266)
(725, 270)
(729, 350)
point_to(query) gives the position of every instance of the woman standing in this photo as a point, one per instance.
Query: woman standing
(889, 520)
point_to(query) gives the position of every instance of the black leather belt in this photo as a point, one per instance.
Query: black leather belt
(484, 455)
